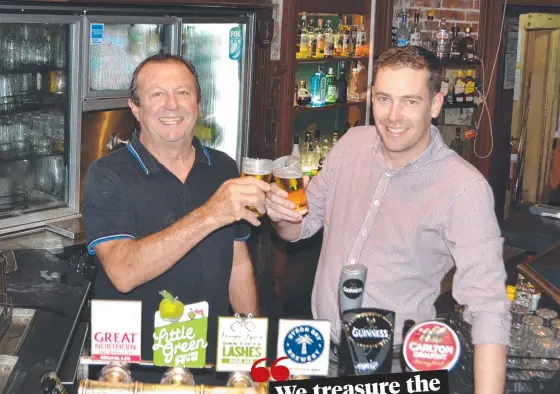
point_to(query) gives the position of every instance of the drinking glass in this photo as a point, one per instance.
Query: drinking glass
(288, 175)
(257, 168)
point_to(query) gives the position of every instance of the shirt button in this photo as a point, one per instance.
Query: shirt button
(364, 232)
(388, 175)
(376, 202)
(352, 261)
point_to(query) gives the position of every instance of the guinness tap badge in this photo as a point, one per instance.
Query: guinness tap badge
(367, 341)
(353, 288)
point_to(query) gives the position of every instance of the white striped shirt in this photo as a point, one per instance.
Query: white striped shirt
(409, 226)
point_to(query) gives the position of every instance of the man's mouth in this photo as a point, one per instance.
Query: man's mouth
(171, 121)
(396, 130)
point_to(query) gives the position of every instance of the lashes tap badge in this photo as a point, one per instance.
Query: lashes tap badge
(180, 333)
(306, 344)
(242, 340)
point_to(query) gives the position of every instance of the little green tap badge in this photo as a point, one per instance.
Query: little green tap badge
(180, 333)
(241, 342)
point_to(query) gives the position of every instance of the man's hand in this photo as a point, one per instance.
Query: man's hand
(229, 203)
(279, 208)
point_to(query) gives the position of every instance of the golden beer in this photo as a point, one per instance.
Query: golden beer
(296, 192)
(260, 169)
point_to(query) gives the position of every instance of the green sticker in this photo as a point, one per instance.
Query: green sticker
(182, 343)
(235, 43)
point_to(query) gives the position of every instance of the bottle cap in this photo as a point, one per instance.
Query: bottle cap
(511, 292)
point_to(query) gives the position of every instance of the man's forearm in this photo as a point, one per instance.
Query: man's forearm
(243, 290)
(287, 231)
(489, 368)
(132, 263)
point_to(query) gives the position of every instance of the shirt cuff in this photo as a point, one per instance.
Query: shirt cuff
(302, 230)
(491, 327)
(100, 240)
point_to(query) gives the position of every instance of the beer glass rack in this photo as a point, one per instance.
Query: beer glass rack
(6, 311)
(524, 374)
(19, 199)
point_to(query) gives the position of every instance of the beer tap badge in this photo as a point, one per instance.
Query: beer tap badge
(431, 345)
(369, 339)
(353, 288)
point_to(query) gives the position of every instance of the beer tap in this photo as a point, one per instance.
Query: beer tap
(115, 141)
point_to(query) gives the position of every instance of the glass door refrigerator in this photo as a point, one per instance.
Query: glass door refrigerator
(220, 45)
(38, 113)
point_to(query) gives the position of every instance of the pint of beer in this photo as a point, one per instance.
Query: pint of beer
(288, 175)
(257, 168)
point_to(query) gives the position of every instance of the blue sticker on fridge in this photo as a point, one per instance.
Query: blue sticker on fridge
(96, 33)
(235, 43)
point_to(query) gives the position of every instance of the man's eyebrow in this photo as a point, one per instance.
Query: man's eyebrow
(408, 96)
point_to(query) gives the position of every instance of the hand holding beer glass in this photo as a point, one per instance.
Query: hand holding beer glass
(287, 199)
(257, 168)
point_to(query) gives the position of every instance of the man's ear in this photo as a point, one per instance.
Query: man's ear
(437, 104)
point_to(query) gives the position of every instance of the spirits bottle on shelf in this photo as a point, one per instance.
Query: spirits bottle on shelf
(331, 94)
(442, 39)
(455, 44)
(416, 35)
(468, 46)
(304, 39)
(362, 49)
(318, 87)
(403, 35)
(320, 38)
(329, 39)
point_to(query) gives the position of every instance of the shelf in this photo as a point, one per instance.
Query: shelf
(333, 7)
(463, 105)
(35, 103)
(32, 68)
(331, 59)
(331, 106)
(459, 63)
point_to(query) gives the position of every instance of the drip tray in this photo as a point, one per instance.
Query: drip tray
(11, 342)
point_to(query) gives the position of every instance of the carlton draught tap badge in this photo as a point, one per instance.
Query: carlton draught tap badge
(367, 345)
(431, 345)
(180, 333)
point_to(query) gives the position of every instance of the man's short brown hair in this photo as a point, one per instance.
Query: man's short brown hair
(413, 57)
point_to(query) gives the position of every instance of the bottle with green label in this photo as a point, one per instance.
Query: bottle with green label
(331, 87)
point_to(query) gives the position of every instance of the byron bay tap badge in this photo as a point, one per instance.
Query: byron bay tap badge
(304, 344)
(368, 344)
(431, 345)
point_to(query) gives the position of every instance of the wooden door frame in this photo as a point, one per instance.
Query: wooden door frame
(495, 167)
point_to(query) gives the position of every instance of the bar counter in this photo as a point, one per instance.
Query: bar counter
(58, 294)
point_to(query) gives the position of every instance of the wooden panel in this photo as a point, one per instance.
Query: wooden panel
(225, 3)
(332, 6)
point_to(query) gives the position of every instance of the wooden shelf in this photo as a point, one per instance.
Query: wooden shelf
(455, 105)
(331, 106)
(334, 7)
(331, 59)
(459, 63)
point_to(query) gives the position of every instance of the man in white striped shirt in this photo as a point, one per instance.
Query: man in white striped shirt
(395, 198)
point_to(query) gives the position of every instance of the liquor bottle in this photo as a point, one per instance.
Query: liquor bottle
(347, 39)
(416, 35)
(303, 95)
(403, 35)
(470, 87)
(331, 95)
(459, 88)
(341, 84)
(353, 94)
(304, 39)
(334, 139)
(318, 87)
(445, 87)
(298, 38)
(408, 324)
(362, 50)
(324, 152)
(457, 143)
(339, 38)
(429, 40)
(329, 39)
(468, 46)
(442, 39)
(295, 148)
(353, 40)
(455, 44)
(320, 37)
(312, 40)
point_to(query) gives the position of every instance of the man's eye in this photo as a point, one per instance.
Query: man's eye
(412, 102)
(156, 94)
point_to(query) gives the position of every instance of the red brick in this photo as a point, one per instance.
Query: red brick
(456, 4)
(425, 3)
(473, 26)
(450, 15)
(472, 16)
(476, 4)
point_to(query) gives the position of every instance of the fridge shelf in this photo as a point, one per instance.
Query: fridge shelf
(29, 103)
(332, 59)
(31, 69)
(461, 105)
(331, 106)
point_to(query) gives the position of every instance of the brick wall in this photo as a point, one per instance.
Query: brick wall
(461, 13)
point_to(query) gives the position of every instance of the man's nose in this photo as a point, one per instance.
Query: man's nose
(395, 112)
(171, 101)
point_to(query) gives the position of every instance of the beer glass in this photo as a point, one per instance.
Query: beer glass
(288, 175)
(257, 168)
